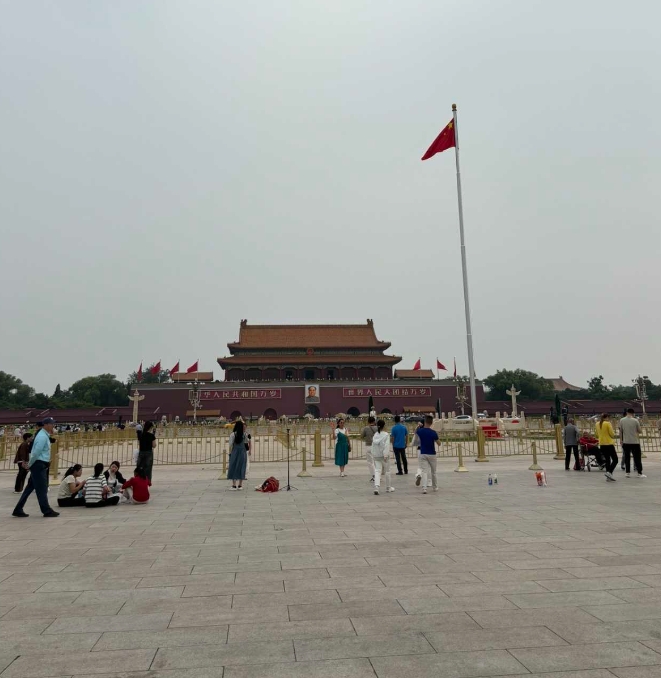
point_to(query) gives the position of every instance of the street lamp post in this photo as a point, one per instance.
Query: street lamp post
(641, 392)
(194, 397)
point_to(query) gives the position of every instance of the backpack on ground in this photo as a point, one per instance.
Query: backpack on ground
(269, 485)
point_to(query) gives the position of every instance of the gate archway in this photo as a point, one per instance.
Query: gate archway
(270, 414)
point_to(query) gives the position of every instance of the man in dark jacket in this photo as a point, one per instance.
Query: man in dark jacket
(22, 457)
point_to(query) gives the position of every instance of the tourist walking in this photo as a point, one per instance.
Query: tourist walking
(39, 463)
(630, 430)
(381, 453)
(342, 445)
(571, 435)
(21, 459)
(415, 443)
(147, 444)
(239, 451)
(70, 486)
(367, 434)
(606, 437)
(136, 489)
(428, 442)
(399, 435)
(96, 490)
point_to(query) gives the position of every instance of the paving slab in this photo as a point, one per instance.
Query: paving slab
(575, 657)
(449, 664)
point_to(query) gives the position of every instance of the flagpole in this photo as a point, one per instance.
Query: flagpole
(469, 331)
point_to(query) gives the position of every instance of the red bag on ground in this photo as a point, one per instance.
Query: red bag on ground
(269, 485)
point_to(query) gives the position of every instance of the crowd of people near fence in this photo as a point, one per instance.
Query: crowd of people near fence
(108, 487)
(600, 450)
(104, 487)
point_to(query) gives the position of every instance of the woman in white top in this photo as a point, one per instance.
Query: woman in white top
(381, 455)
(70, 486)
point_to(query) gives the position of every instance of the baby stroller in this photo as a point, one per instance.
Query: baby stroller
(591, 456)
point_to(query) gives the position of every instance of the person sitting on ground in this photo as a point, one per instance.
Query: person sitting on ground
(70, 486)
(136, 490)
(96, 490)
(114, 478)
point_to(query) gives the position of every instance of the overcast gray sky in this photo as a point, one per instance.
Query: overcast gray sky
(170, 167)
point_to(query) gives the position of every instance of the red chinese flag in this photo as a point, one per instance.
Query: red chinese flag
(175, 369)
(140, 372)
(442, 142)
(440, 365)
(417, 365)
(157, 368)
(193, 367)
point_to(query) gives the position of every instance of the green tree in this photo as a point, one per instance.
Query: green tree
(14, 394)
(596, 388)
(531, 385)
(148, 377)
(103, 390)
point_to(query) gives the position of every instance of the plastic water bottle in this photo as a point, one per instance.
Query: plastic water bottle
(490, 480)
(495, 479)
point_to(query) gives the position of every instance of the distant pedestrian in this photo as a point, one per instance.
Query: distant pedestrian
(381, 452)
(630, 430)
(606, 437)
(39, 464)
(367, 434)
(415, 443)
(71, 485)
(21, 459)
(399, 436)
(239, 450)
(147, 445)
(428, 442)
(342, 445)
(571, 436)
(136, 489)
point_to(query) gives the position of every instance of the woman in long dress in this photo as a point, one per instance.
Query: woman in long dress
(342, 446)
(239, 451)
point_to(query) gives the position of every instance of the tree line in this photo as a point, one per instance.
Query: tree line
(105, 390)
(534, 387)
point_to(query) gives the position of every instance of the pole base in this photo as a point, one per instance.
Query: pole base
(535, 467)
(315, 465)
(304, 474)
(52, 482)
(222, 476)
(559, 457)
(481, 459)
(461, 469)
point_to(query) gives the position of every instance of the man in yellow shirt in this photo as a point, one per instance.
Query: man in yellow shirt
(606, 436)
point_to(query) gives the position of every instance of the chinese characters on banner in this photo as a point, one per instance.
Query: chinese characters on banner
(423, 391)
(241, 394)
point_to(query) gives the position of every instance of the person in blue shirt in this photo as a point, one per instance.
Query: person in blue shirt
(38, 464)
(427, 459)
(398, 437)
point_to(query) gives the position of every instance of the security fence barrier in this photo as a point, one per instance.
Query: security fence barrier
(210, 445)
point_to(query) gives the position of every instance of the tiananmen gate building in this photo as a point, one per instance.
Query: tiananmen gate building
(293, 370)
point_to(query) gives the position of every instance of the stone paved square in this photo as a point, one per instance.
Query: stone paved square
(330, 581)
